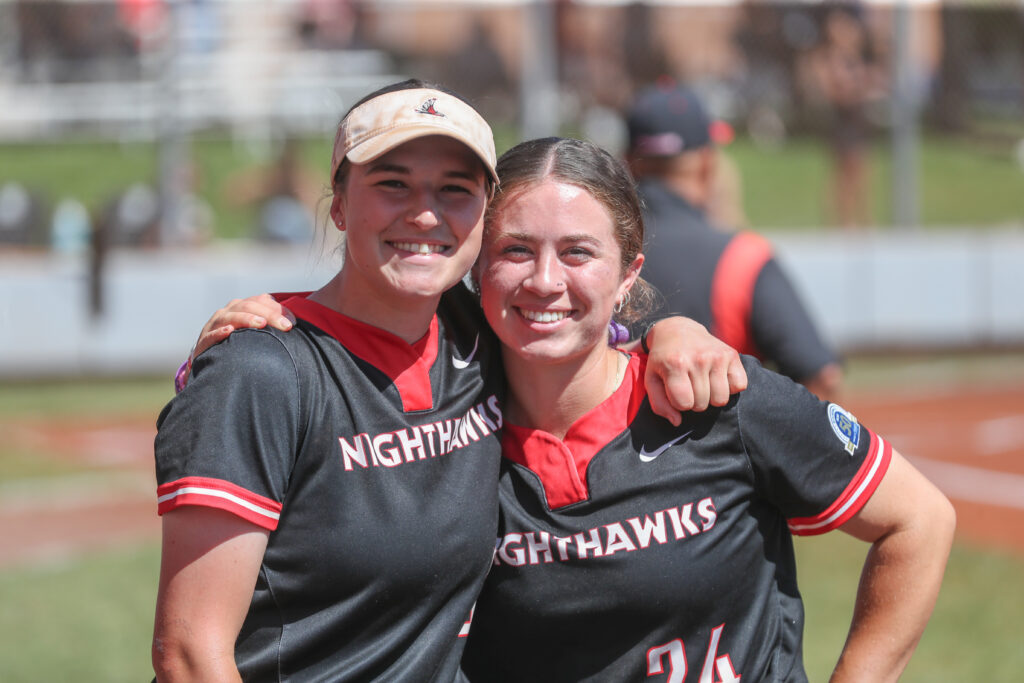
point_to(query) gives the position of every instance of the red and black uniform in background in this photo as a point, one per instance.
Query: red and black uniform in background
(729, 282)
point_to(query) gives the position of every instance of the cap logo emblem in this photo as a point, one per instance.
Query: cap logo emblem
(428, 108)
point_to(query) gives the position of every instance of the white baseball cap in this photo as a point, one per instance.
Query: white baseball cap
(379, 125)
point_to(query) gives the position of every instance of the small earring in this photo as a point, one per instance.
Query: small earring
(619, 305)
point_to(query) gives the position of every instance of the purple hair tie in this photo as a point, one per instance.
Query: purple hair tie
(617, 334)
(181, 376)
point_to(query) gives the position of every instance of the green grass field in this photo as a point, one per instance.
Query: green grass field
(972, 635)
(961, 184)
(90, 620)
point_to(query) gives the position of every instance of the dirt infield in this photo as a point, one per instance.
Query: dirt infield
(969, 440)
(108, 501)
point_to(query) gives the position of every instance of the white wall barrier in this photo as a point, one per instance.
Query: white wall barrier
(912, 289)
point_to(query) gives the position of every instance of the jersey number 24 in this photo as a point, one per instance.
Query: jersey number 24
(675, 652)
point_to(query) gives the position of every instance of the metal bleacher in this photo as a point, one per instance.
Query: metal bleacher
(255, 74)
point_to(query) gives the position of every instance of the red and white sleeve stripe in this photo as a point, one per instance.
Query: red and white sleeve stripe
(217, 493)
(853, 498)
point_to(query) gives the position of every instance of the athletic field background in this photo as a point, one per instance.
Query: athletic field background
(84, 613)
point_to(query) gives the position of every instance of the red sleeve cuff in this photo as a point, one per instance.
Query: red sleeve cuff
(853, 498)
(217, 493)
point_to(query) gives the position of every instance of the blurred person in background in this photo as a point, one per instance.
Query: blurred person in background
(327, 24)
(285, 194)
(728, 281)
(23, 214)
(848, 81)
(725, 205)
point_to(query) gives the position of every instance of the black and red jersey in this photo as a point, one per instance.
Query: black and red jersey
(635, 550)
(372, 462)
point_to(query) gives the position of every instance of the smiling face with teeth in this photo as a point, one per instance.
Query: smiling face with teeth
(550, 273)
(413, 220)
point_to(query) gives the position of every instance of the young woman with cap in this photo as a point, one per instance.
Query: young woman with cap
(328, 498)
(633, 549)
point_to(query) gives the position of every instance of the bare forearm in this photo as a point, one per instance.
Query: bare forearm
(208, 567)
(175, 662)
(897, 593)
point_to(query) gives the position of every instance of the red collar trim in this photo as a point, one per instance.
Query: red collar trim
(407, 365)
(562, 465)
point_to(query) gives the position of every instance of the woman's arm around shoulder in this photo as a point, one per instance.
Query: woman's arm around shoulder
(208, 567)
(254, 312)
(688, 368)
(910, 525)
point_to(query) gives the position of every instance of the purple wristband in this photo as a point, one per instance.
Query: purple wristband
(181, 376)
(617, 334)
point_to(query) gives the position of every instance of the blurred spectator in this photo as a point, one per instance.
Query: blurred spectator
(644, 56)
(132, 218)
(481, 71)
(591, 67)
(70, 227)
(728, 281)
(848, 81)
(773, 38)
(135, 216)
(285, 194)
(145, 20)
(199, 25)
(327, 24)
(195, 217)
(22, 217)
(725, 205)
(65, 42)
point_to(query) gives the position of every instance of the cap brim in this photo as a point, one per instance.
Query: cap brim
(383, 143)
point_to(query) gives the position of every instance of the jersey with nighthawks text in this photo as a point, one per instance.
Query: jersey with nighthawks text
(632, 550)
(373, 463)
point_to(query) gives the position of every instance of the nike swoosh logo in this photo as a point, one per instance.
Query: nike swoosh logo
(648, 456)
(463, 364)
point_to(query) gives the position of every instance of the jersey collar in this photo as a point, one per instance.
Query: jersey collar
(561, 464)
(407, 365)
